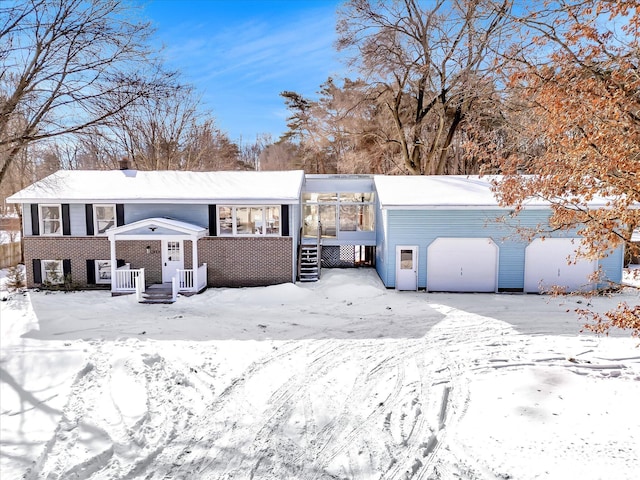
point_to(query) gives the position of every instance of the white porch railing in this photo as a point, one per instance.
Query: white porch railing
(185, 279)
(127, 279)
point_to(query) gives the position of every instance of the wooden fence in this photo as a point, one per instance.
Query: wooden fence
(9, 254)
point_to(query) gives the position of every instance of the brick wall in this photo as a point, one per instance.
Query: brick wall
(77, 249)
(231, 261)
(246, 262)
(135, 253)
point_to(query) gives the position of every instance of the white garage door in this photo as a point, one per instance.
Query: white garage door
(462, 265)
(546, 265)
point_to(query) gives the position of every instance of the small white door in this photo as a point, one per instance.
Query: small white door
(462, 265)
(550, 263)
(406, 268)
(172, 258)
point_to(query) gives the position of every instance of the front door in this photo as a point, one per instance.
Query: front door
(406, 268)
(172, 258)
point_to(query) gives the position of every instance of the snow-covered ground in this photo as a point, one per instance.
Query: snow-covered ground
(340, 379)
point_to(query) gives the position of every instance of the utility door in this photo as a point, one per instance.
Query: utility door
(172, 258)
(406, 267)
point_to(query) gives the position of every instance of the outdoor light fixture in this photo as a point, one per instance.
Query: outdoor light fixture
(148, 249)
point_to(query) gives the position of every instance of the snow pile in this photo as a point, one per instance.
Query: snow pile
(336, 379)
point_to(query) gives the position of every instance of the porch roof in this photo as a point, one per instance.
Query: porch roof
(157, 226)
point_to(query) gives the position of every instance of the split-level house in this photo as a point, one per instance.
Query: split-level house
(128, 230)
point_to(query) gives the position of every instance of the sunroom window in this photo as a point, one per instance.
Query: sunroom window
(50, 220)
(349, 211)
(249, 220)
(104, 218)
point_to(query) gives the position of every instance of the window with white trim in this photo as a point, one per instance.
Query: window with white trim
(249, 220)
(103, 271)
(104, 217)
(50, 219)
(52, 272)
(349, 212)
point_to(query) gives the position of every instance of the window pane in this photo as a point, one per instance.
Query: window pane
(105, 217)
(356, 197)
(319, 197)
(243, 221)
(348, 217)
(406, 259)
(50, 217)
(273, 220)
(52, 271)
(257, 220)
(226, 221)
(328, 214)
(310, 224)
(173, 251)
(366, 218)
(51, 226)
(327, 197)
(103, 271)
(51, 212)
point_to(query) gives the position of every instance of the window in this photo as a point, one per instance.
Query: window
(249, 220)
(350, 211)
(104, 217)
(406, 259)
(103, 271)
(52, 272)
(50, 220)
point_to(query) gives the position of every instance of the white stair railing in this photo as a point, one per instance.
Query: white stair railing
(185, 279)
(126, 279)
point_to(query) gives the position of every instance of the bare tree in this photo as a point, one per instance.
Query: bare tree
(68, 65)
(429, 64)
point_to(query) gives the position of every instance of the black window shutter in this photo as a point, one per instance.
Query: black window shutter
(119, 214)
(120, 262)
(37, 271)
(284, 220)
(66, 220)
(88, 208)
(213, 221)
(66, 268)
(91, 271)
(35, 220)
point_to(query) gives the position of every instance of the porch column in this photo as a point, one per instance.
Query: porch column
(194, 260)
(114, 262)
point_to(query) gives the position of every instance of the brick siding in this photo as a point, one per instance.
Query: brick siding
(246, 262)
(77, 249)
(231, 261)
(135, 253)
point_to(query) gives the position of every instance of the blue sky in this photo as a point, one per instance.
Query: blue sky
(240, 54)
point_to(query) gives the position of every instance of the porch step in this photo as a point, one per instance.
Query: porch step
(159, 293)
(309, 269)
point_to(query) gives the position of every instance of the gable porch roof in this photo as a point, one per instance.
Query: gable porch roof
(157, 227)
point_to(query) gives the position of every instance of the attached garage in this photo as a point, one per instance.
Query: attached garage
(462, 265)
(549, 263)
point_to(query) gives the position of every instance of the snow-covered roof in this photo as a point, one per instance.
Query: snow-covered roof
(133, 186)
(434, 191)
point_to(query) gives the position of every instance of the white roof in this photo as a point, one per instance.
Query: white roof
(434, 191)
(133, 186)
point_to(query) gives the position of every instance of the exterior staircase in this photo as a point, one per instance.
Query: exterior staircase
(309, 266)
(158, 293)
